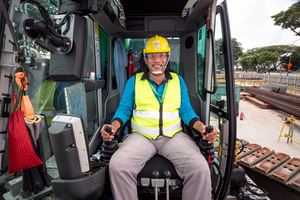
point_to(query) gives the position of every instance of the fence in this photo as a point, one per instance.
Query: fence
(254, 79)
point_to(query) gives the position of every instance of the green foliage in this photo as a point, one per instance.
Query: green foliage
(281, 49)
(292, 57)
(237, 51)
(245, 62)
(249, 61)
(269, 57)
(289, 19)
(219, 58)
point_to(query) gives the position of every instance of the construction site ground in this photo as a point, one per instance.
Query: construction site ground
(271, 164)
(263, 126)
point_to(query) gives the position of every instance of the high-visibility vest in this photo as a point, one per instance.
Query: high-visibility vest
(151, 117)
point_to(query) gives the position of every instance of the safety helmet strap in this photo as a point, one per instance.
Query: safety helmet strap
(160, 72)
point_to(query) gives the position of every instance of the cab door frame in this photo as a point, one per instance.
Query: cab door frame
(228, 126)
(5, 70)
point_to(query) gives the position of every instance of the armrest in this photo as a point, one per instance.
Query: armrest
(194, 134)
(206, 149)
(119, 133)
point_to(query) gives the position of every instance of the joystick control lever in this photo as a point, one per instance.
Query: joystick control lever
(207, 149)
(167, 175)
(108, 147)
(155, 175)
(157, 183)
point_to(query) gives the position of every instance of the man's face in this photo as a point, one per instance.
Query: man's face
(157, 61)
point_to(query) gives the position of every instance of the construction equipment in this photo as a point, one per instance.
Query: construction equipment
(291, 121)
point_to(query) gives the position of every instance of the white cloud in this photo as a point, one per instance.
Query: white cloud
(251, 23)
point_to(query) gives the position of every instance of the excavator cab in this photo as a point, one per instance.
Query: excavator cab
(78, 56)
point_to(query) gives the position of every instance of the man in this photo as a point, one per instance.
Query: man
(158, 100)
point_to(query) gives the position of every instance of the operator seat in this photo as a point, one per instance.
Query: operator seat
(158, 163)
(161, 164)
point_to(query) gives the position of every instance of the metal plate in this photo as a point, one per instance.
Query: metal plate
(248, 149)
(295, 183)
(255, 157)
(287, 171)
(271, 163)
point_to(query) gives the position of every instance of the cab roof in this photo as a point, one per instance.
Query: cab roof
(153, 7)
(146, 18)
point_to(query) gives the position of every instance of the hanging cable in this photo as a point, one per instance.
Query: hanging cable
(66, 18)
(243, 145)
(43, 11)
(46, 17)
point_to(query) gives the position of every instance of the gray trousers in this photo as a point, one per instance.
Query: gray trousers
(181, 150)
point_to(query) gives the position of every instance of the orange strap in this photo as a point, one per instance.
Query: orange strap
(27, 108)
(21, 80)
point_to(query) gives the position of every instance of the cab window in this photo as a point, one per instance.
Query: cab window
(201, 59)
(137, 46)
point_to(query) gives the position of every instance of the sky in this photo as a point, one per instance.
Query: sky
(251, 23)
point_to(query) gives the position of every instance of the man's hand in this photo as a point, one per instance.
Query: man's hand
(108, 136)
(210, 137)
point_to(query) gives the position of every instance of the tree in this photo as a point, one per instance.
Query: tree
(237, 51)
(268, 58)
(219, 58)
(289, 18)
(292, 57)
(281, 50)
(249, 61)
(254, 63)
(245, 62)
(272, 56)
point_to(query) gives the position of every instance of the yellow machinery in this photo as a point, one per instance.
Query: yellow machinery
(289, 136)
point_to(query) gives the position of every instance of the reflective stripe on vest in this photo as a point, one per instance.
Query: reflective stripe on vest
(152, 118)
(155, 114)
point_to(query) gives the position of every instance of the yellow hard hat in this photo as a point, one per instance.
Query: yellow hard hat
(157, 44)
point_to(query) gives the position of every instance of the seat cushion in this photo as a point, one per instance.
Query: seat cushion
(159, 163)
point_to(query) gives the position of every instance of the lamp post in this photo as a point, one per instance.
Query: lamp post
(289, 64)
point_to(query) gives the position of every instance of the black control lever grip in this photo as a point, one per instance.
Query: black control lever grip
(108, 129)
(207, 149)
(208, 129)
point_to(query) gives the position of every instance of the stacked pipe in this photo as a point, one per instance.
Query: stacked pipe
(285, 102)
